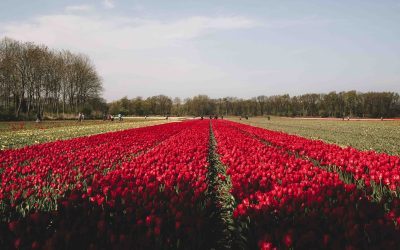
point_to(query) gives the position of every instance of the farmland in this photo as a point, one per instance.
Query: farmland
(198, 184)
(20, 134)
(381, 136)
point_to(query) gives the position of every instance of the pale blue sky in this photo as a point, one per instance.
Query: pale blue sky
(221, 47)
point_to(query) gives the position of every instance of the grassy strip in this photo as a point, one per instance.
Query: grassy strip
(364, 135)
(25, 137)
(225, 232)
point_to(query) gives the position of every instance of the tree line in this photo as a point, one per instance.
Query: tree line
(35, 80)
(333, 104)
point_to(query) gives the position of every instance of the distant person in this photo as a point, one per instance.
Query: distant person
(38, 118)
(201, 117)
(247, 117)
(210, 117)
(222, 117)
(269, 118)
(79, 117)
(381, 118)
(120, 117)
(112, 118)
(83, 116)
(145, 117)
(104, 117)
(166, 118)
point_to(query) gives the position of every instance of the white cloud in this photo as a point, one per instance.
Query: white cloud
(82, 31)
(75, 8)
(108, 4)
(134, 56)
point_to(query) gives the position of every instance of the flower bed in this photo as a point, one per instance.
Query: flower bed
(183, 186)
(290, 202)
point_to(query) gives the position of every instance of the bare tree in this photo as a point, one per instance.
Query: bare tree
(34, 80)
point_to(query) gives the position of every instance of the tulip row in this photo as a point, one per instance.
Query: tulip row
(293, 203)
(165, 188)
(157, 199)
(374, 173)
(35, 177)
(153, 187)
(373, 169)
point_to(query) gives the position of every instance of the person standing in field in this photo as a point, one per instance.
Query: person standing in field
(38, 118)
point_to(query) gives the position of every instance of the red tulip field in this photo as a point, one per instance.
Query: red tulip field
(199, 184)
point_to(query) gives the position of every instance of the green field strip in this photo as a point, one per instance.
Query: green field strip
(379, 136)
(225, 233)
